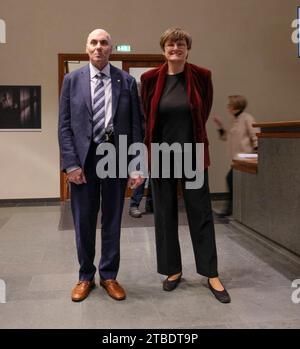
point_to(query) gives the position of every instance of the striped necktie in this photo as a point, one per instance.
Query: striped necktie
(99, 111)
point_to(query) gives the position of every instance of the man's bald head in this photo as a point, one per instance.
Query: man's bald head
(96, 32)
(99, 47)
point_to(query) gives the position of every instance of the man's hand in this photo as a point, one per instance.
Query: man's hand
(76, 176)
(135, 182)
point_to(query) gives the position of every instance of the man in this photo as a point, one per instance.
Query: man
(136, 198)
(98, 103)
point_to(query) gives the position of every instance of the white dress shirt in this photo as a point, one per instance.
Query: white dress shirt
(107, 90)
(108, 97)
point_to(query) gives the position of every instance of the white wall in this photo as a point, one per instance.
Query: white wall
(246, 43)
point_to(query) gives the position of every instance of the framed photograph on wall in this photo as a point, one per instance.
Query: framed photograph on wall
(20, 108)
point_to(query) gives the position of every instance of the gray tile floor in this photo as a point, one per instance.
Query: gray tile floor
(39, 266)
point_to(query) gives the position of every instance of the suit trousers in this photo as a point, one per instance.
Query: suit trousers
(201, 226)
(85, 203)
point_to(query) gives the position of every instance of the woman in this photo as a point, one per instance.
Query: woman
(241, 137)
(177, 98)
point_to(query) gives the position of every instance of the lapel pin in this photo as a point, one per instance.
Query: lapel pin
(118, 80)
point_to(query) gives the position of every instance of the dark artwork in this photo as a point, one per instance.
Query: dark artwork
(20, 107)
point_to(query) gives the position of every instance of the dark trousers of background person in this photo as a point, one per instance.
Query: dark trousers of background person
(85, 203)
(138, 193)
(201, 225)
(229, 180)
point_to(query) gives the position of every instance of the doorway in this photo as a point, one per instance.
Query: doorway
(134, 64)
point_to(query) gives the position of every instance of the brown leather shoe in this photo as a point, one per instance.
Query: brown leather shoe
(82, 290)
(114, 289)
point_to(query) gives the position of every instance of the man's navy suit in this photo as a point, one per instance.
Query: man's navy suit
(78, 149)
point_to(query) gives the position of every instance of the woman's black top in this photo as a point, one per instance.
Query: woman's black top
(174, 119)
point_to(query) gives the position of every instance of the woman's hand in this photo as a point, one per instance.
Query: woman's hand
(217, 121)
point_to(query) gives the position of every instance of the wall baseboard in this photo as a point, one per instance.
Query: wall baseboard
(267, 242)
(29, 202)
(56, 201)
(219, 196)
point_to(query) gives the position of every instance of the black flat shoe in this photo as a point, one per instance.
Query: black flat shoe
(222, 296)
(170, 285)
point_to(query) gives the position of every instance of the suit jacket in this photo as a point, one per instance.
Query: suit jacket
(200, 95)
(75, 114)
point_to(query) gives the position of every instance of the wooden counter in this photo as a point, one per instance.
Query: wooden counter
(245, 165)
(266, 192)
(279, 129)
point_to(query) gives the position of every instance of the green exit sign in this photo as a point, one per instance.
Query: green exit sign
(123, 48)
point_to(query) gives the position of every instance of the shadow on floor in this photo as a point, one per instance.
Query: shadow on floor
(147, 220)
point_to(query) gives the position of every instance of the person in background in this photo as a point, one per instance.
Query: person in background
(177, 99)
(241, 137)
(138, 193)
(136, 199)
